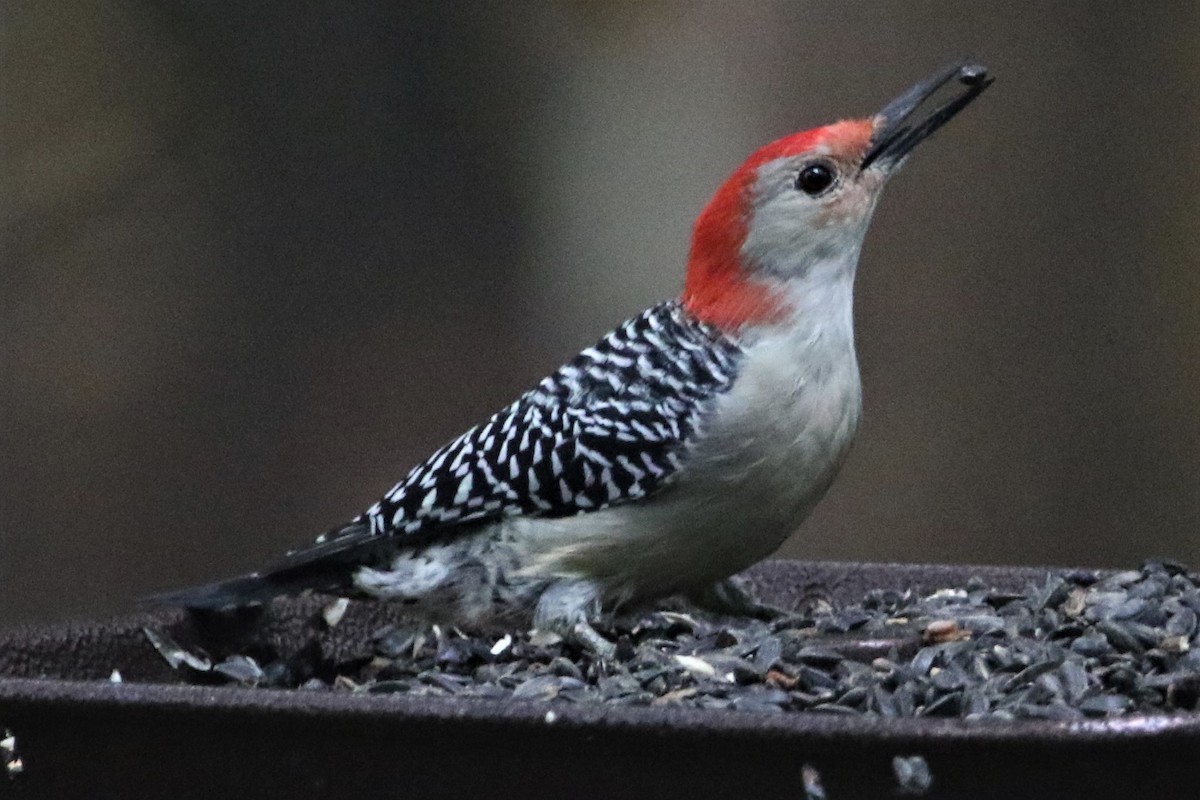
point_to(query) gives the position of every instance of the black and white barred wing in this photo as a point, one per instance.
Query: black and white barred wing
(609, 427)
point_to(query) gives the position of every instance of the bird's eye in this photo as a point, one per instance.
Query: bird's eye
(815, 179)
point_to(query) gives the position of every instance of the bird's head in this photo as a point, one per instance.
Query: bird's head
(795, 213)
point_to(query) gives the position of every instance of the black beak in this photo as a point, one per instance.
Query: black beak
(899, 131)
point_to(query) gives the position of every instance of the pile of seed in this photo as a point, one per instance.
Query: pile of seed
(1075, 645)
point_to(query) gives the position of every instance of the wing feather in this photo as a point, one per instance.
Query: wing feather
(610, 426)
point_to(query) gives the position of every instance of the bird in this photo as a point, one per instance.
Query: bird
(683, 447)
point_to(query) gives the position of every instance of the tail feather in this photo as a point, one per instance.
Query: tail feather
(325, 567)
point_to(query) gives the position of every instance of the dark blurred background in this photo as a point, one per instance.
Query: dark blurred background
(258, 259)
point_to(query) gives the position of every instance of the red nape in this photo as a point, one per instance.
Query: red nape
(718, 289)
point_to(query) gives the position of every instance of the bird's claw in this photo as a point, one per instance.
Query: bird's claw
(587, 637)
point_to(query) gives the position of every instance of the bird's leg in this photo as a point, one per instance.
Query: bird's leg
(567, 607)
(728, 598)
(587, 636)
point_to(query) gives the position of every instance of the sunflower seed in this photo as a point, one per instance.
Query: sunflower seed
(174, 654)
(912, 774)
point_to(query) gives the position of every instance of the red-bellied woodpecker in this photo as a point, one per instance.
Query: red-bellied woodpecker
(683, 447)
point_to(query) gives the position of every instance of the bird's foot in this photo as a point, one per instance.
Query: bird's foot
(566, 606)
(590, 639)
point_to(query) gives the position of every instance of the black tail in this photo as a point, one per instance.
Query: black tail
(326, 567)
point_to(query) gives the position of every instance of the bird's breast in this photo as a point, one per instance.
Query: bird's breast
(785, 426)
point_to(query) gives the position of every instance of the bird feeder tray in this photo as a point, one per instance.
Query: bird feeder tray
(76, 733)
